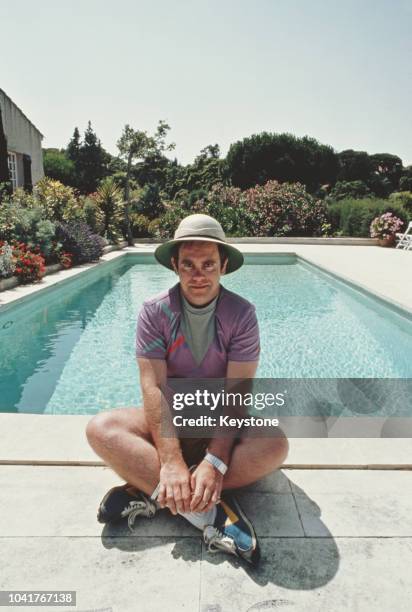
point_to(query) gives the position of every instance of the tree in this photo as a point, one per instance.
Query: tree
(149, 202)
(388, 167)
(207, 170)
(354, 166)
(405, 182)
(73, 148)
(90, 159)
(349, 189)
(93, 161)
(134, 146)
(59, 167)
(283, 157)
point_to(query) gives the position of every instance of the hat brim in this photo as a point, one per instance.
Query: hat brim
(163, 253)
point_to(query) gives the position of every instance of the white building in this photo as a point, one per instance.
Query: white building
(25, 157)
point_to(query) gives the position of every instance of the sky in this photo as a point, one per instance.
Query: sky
(216, 70)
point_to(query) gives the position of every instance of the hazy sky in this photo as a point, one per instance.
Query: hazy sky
(216, 70)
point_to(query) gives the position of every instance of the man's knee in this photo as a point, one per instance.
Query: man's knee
(277, 449)
(101, 427)
(281, 448)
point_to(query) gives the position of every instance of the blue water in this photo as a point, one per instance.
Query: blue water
(72, 351)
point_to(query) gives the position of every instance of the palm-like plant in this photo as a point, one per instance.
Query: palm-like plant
(110, 202)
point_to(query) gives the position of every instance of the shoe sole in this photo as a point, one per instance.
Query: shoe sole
(255, 556)
(102, 515)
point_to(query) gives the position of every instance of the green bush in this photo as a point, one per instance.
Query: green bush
(349, 189)
(44, 237)
(139, 224)
(57, 201)
(402, 198)
(93, 215)
(171, 219)
(229, 206)
(353, 217)
(28, 225)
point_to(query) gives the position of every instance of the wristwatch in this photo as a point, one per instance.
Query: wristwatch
(216, 462)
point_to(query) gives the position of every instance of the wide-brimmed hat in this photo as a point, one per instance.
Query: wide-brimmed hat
(201, 228)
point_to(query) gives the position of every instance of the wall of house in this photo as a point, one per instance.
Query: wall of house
(22, 137)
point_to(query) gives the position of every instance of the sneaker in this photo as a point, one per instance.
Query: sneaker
(232, 532)
(125, 501)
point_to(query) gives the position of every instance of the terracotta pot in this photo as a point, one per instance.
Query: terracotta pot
(387, 242)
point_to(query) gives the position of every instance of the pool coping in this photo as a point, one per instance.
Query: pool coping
(21, 293)
(68, 445)
(61, 440)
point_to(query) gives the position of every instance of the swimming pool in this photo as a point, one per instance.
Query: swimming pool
(70, 350)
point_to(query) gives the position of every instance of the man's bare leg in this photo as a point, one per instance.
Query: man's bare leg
(122, 439)
(254, 458)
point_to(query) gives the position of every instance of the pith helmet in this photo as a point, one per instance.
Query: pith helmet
(201, 228)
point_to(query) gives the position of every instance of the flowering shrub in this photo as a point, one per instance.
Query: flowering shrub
(385, 226)
(283, 210)
(66, 260)
(30, 266)
(78, 239)
(7, 261)
(272, 209)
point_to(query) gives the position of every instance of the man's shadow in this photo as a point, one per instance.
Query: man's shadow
(290, 558)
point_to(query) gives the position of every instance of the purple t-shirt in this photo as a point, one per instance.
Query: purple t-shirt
(159, 335)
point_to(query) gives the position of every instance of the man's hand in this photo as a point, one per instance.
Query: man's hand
(174, 491)
(206, 483)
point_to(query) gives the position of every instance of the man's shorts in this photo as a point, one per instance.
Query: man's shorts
(194, 449)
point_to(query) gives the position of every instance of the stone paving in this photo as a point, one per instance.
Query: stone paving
(331, 540)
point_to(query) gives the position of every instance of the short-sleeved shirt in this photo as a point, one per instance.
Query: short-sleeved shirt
(159, 335)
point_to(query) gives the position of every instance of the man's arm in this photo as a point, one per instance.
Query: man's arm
(174, 474)
(207, 481)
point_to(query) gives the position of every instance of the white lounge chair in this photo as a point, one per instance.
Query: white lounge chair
(405, 240)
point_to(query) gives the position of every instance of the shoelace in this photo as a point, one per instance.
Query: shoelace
(218, 540)
(135, 509)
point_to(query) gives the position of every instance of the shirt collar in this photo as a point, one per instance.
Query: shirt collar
(175, 301)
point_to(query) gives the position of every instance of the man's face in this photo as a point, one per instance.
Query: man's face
(199, 271)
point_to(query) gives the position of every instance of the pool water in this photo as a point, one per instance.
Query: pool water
(71, 350)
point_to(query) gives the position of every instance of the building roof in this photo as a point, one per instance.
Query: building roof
(19, 109)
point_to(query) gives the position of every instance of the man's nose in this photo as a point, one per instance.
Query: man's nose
(198, 273)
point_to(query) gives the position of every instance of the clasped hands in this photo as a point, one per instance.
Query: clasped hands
(182, 491)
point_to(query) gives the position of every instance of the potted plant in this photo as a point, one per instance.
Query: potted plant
(384, 228)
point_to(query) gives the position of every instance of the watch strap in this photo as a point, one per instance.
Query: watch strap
(217, 463)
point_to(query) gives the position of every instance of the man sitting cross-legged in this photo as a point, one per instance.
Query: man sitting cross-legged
(197, 329)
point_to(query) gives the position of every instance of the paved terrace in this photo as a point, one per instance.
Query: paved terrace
(332, 539)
